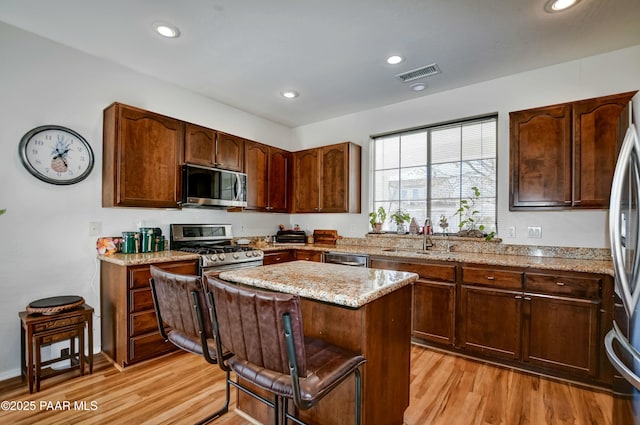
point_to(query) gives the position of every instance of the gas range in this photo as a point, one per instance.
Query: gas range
(214, 244)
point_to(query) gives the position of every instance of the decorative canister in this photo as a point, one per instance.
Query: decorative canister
(130, 242)
(148, 239)
(159, 243)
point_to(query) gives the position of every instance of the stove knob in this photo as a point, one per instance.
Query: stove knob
(257, 253)
(235, 255)
(221, 257)
(212, 257)
(248, 253)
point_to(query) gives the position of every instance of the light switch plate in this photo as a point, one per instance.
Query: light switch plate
(511, 231)
(95, 228)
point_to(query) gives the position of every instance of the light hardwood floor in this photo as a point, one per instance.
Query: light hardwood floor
(182, 388)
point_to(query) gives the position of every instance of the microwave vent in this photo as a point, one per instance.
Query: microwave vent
(415, 74)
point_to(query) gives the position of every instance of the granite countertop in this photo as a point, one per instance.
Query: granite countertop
(148, 257)
(333, 283)
(586, 265)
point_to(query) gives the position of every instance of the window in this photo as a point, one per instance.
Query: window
(430, 170)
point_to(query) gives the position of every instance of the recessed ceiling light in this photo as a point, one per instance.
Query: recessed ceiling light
(166, 30)
(553, 6)
(418, 86)
(290, 94)
(394, 60)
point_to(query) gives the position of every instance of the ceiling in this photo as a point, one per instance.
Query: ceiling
(333, 52)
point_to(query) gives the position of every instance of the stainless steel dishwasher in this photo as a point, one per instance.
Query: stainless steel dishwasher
(356, 260)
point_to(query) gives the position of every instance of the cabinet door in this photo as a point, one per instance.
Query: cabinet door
(279, 180)
(597, 134)
(199, 145)
(334, 188)
(229, 152)
(307, 180)
(490, 321)
(540, 150)
(256, 164)
(143, 155)
(434, 311)
(562, 333)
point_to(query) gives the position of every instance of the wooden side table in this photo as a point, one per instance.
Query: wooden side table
(38, 330)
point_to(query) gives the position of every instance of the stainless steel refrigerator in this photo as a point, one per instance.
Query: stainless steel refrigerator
(622, 342)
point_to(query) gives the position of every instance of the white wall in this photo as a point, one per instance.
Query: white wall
(46, 249)
(610, 73)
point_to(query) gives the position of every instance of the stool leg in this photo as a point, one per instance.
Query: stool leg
(81, 349)
(38, 361)
(90, 342)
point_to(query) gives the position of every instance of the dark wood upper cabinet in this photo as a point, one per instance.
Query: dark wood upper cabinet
(599, 126)
(327, 179)
(142, 153)
(563, 156)
(306, 178)
(279, 180)
(199, 145)
(268, 177)
(229, 152)
(207, 147)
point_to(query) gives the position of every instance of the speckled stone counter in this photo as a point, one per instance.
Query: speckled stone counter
(551, 258)
(336, 284)
(147, 258)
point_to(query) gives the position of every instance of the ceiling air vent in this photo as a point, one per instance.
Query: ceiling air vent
(423, 71)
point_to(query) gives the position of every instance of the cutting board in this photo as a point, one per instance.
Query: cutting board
(325, 236)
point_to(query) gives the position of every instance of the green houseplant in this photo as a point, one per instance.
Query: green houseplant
(468, 221)
(376, 218)
(400, 217)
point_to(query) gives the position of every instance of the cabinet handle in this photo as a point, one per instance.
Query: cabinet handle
(527, 298)
(277, 258)
(560, 283)
(491, 278)
(518, 297)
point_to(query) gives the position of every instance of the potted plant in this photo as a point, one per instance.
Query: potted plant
(468, 225)
(400, 217)
(376, 218)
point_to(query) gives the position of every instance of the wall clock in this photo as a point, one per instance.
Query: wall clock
(56, 154)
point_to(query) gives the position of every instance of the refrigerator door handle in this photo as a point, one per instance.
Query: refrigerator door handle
(628, 374)
(628, 294)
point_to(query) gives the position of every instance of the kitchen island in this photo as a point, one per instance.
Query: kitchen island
(364, 310)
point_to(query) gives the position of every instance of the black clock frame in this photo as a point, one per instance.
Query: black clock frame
(25, 161)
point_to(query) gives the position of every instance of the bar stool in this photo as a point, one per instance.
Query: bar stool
(264, 332)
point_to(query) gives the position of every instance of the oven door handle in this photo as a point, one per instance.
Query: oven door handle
(349, 263)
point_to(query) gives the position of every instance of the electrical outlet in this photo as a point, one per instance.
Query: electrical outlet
(95, 228)
(64, 352)
(511, 231)
(534, 232)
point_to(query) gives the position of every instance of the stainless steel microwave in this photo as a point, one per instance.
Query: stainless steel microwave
(213, 187)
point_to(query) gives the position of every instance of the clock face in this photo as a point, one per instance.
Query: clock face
(56, 154)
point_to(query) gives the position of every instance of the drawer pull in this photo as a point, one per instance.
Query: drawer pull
(560, 283)
(491, 278)
(518, 297)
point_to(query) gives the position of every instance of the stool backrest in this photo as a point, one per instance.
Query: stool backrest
(251, 325)
(174, 296)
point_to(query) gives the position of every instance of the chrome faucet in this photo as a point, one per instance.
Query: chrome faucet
(426, 240)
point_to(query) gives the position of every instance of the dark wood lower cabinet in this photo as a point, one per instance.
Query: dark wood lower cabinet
(551, 322)
(490, 321)
(128, 320)
(275, 257)
(562, 333)
(434, 311)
